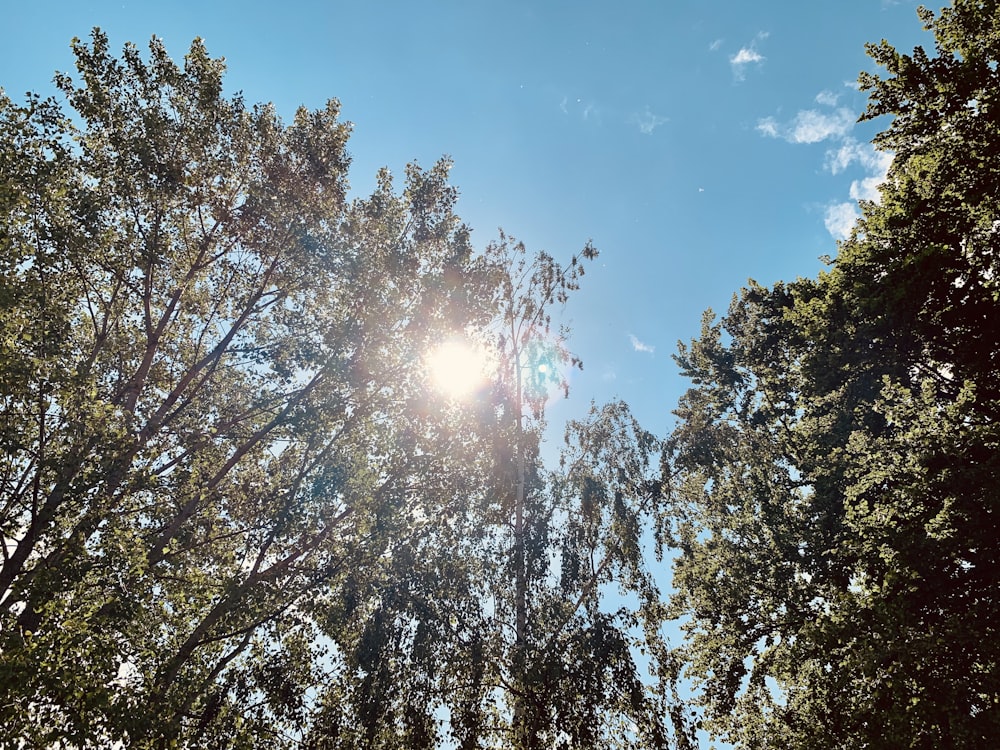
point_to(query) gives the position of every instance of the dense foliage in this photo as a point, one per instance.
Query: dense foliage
(207, 373)
(836, 471)
(233, 512)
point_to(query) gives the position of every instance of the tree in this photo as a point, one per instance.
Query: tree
(572, 680)
(834, 472)
(492, 628)
(233, 513)
(209, 365)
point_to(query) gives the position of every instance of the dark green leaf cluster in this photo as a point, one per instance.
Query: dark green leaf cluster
(835, 471)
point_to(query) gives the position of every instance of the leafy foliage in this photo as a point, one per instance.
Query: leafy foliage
(835, 470)
(209, 369)
(491, 627)
(233, 513)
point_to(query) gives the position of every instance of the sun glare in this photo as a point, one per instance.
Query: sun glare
(457, 368)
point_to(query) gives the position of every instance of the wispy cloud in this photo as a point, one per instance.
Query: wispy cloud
(640, 346)
(839, 219)
(715, 45)
(865, 154)
(828, 98)
(875, 163)
(850, 151)
(586, 110)
(836, 125)
(647, 121)
(810, 126)
(769, 127)
(743, 58)
(867, 189)
(747, 55)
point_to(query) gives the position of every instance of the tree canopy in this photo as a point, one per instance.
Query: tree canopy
(208, 382)
(234, 512)
(834, 476)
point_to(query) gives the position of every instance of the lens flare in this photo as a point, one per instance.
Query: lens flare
(457, 368)
(546, 369)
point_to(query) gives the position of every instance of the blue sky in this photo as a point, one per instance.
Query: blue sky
(699, 143)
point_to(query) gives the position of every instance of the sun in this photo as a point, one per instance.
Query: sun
(457, 368)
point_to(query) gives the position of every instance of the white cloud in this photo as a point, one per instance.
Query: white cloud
(875, 163)
(815, 126)
(563, 107)
(769, 127)
(640, 346)
(839, 219)
(865, 154)
(743, 58)
(714, 46)
(747, 56)
(827, 97)
(867, 189)
(810, 126)
(647, 121)
(840, 159)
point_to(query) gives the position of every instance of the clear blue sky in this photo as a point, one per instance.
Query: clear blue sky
(698, 142)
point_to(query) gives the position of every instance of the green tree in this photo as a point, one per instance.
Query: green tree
(233, 512)
(572, 679)
(209, 360)
(492, 627)
(834, 472)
